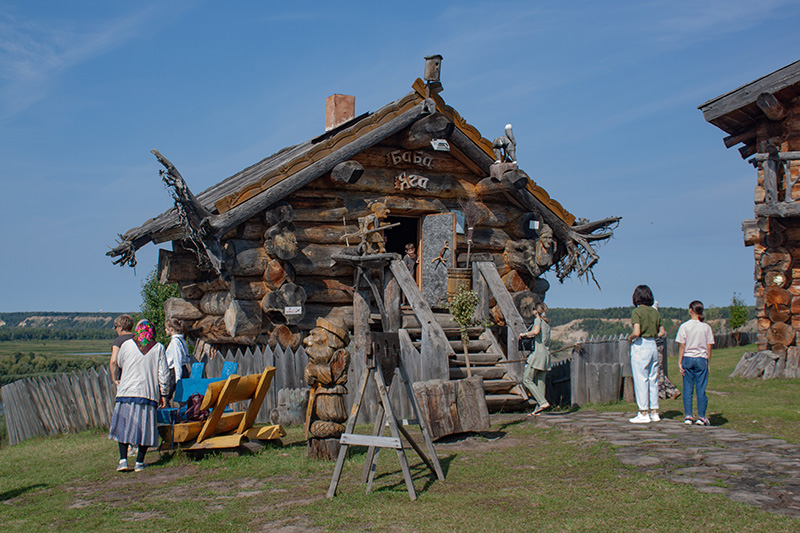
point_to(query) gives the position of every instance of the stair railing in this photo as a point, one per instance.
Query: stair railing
(435, 349)
(486, 282)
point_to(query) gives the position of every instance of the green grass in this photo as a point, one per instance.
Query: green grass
(516, 477)
(769, 407)
(59, 347)
(530, 475)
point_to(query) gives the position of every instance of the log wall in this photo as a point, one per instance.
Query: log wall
(776, 240)
(282, 275)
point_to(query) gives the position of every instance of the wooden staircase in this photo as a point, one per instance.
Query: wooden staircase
(433, 339)
(486, 358)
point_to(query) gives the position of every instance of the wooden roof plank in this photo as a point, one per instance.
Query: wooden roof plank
(747, 94)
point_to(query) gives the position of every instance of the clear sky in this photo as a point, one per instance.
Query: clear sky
(603, 97)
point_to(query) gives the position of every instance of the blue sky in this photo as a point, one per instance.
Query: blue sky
(603, 97)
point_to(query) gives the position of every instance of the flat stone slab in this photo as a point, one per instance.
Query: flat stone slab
(638, 460)
(751, 498)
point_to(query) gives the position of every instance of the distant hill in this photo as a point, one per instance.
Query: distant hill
(56, 325)
(571, 325)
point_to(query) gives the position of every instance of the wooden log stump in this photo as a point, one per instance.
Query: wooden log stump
(182, 309)
(285, 305)
(323, 449)
(779, 313)
(514, 282)
(243, 317)
(780, 334)
(245, 258)
(277, 273)
(452, 407)
(215, 303)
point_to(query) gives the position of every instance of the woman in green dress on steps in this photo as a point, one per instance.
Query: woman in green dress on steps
(539, 359)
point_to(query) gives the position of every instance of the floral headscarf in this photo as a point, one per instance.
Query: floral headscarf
(144, 336)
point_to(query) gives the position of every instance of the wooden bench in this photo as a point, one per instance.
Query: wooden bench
(225, 429)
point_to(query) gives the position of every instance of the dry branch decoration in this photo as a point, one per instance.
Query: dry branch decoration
(581, 256)
(194, 218)
(471, 215)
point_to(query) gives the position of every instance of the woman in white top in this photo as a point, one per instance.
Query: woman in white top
(696, 339)
(142, 389)
(177, 352)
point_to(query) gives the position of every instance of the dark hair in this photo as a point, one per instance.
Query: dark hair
(642, 295)
(176, 324)
(697, 308)
(125, 322)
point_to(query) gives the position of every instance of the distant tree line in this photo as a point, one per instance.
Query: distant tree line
(25, 365)
(562, 315)
(35, 334)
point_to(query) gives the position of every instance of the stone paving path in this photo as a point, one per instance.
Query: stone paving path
(746, 467)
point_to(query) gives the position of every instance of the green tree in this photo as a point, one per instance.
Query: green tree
(462, 306)
(154, 294)
(737, 312)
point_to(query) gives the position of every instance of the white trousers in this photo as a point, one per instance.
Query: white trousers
(644, 364)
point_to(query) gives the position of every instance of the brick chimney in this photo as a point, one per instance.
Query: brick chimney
(339, 108)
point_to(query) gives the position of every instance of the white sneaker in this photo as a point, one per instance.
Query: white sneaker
(641, 418)
(123, 465)
(654, 417)
(139, 467)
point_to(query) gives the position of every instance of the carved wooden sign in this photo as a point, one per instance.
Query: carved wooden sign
(421, 159)
(410, 181)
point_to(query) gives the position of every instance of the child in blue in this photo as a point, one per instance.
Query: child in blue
(696, 339)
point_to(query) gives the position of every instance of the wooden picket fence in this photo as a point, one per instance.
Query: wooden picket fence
(598, 368)
(63, 403)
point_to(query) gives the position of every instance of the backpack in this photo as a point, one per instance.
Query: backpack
(193, 411)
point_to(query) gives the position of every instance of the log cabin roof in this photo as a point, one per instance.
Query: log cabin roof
(737, 111)
(289, 169)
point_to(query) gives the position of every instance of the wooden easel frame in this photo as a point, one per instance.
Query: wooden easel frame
(386, 349)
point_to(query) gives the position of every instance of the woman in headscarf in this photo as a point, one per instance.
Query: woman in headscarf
(143, 387)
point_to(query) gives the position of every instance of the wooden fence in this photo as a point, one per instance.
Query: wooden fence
(63, 403)
(597, 369)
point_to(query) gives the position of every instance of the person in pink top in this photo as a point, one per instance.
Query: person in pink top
(696, 339)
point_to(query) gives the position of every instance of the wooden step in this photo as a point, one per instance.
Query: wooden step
(474, 345)
(410, 321)
(496, 402)
(481, 359)
(497, 386)
(486, 372)
(451, 333)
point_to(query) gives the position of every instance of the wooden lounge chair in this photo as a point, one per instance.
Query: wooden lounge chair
(222, 429)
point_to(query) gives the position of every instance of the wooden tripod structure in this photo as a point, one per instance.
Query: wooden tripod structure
(382, 358)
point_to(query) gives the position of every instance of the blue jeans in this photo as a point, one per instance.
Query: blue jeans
(644, 364)
(695, 376)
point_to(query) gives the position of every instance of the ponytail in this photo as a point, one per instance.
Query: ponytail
(697, 308)
(541, 308)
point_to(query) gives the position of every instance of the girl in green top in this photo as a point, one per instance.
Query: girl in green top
(644, 354)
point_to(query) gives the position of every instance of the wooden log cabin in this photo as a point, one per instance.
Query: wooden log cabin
(763, 119)
(263, 254)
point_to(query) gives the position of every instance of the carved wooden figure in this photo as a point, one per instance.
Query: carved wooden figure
(326, 374)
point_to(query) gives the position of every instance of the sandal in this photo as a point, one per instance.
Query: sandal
(538, 410)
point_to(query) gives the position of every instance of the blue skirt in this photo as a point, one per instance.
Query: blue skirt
(134, 423)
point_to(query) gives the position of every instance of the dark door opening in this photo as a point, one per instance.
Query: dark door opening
(397, 237)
